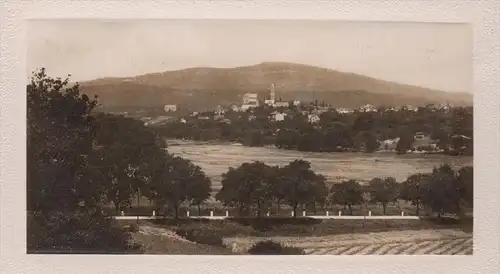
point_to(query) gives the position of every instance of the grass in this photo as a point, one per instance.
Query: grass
(270, 227)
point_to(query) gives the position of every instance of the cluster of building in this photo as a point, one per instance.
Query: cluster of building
(251, 101)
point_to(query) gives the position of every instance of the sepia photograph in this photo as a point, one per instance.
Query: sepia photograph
(249, 137)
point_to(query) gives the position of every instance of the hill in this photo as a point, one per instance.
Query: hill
(203, 87)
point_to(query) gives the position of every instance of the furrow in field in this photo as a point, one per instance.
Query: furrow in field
(355, 250)
(429, 248)
(463, 248)
(418, 246)
(370, 249)
(340, 250)
(445, 250)
(399, 249)
(385, 249)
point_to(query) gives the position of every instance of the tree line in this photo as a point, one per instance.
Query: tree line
(357, 131)
(257, 186)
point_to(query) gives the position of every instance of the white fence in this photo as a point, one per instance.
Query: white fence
(325, 217)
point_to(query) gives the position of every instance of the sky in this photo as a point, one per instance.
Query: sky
(433, 55)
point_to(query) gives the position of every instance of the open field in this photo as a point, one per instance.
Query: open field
(435, 242)
(215, 159)
(325, 238)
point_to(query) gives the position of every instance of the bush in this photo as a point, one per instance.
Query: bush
(132, 228)
(76, 232)
(201, 236)
(274, 248)
(271, 223)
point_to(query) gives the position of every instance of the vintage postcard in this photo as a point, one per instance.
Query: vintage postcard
(216, 136)
(277, 137)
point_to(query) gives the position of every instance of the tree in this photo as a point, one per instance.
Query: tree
(347, 193)
(405, 142)
(246, 185)
(128, 153)
(199, 188)
(64, 203)
(411, 189)
(300, 179)
(384, 191)
(443, 193)
(59, 138)
(172, 184)
(466, 182)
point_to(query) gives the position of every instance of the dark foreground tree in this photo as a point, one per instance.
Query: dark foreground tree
(64, 205)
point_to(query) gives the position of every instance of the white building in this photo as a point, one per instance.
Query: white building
(313, 118)
(219, 110)
(296, 103)
(278, 116)
(235, 108)
(183, 120)
(281, 104)
(170, 108)
(368, 108)
(344, 110)
(389, 144)
(250, 99)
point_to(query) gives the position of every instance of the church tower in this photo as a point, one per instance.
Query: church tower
(272, 93)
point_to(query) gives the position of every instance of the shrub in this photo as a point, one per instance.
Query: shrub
(201, 236)
(76, 232)
(273, 248)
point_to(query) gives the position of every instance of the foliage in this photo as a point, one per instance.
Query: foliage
(78, 231)
(59, 138)
(176, 181)
(360, 131)
(273, 248)
(384, 191)
(347, 193)
(201, 236)
(412, 189)
(443, 193)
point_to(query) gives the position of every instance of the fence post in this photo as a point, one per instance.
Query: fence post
(292, 213)
(340, 213)
(227, 213)
(123, 213)
(402, 213)
(304, 213)
(187, 213)
(268, 214)
(370, 213)
(154, 213)
(327, 213)
(211, 213)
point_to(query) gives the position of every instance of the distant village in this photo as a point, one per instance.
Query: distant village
(279, 110)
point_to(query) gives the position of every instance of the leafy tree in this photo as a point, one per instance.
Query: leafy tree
(127, 155)
(383, 191)
(173, 183)
(466, 181)
(63, 201)
(246, 185)
(443, 192)
(301, 180)
(412, 189)
(347, 193)
(199, 188)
